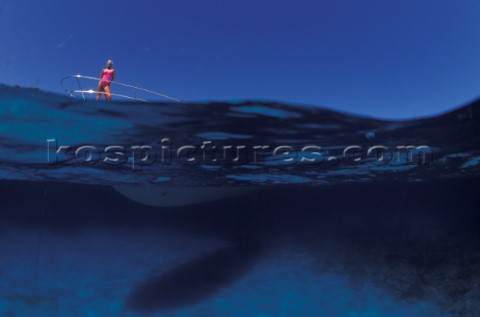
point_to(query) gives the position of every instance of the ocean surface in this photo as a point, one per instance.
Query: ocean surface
(247, 208)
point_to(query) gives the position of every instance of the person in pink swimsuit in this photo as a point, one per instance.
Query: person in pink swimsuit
(106, 77)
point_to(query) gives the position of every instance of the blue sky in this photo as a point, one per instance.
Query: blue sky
(387, 59)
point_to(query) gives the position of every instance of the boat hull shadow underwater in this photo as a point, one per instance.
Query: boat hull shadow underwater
(416, 241)
(178, 196)
(407, 225)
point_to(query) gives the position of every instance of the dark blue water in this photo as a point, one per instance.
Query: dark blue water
(235, 209)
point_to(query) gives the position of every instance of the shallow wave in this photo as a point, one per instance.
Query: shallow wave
(47, 137)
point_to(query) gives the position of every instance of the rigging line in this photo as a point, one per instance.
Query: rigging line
(78, 82)
(117, 83)
(110, 94)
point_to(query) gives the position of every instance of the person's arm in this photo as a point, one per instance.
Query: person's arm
(101, 74)
(113, 75)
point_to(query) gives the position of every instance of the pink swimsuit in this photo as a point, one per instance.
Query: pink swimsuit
(106, 77)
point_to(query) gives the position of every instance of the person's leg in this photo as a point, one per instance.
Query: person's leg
(106, 90)
(99, 91)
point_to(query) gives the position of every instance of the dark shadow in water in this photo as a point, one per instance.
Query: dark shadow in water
(194, 281)
(418, 241)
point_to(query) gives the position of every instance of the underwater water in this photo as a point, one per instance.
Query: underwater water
(235, 209)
